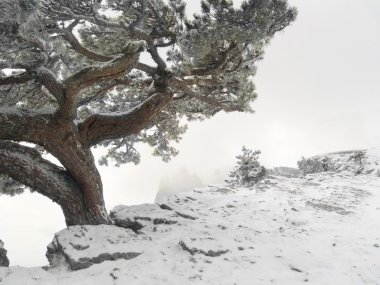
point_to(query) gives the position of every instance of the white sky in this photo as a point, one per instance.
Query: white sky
(318, 88)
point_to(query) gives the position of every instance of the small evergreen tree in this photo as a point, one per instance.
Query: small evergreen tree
(248, 170)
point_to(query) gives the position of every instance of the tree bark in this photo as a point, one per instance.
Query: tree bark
(27, 166)
(79, 161)
(84, 203)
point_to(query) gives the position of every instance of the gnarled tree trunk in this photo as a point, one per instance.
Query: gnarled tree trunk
(81, 203)
(77, 186)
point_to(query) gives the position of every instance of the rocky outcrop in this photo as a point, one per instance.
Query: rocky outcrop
(4, 261)
(79, 247)
(205, 251)
(139, 216)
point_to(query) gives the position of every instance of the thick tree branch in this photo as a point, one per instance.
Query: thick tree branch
(91, 75)
(27, 166)
(118, 66)
(16, 79)
(152, 49)
(100, 127)
(73, 41)
(47, 78)
(167, 44)
(70, 38)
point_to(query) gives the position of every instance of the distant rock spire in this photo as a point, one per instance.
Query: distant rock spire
(4, 261)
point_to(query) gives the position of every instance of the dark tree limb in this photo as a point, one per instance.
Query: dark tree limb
(75, 44)
(152, 49)
(91, 75)
(114, 68)
(27, 166)
(16, 79)
(100, 127)
(73, 41)
(52, 83)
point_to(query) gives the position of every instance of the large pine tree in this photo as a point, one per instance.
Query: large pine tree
(71, 78)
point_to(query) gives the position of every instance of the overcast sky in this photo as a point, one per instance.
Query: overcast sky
(318, 88)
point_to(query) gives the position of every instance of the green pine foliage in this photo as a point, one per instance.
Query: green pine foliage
(248, 170)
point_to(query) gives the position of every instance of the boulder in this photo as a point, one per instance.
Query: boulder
(79, 247)
(138, 216)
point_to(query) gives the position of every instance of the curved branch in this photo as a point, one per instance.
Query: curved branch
(73, 41)
(29, 168)
(75, 44)
(152, 50)
(112, 69)
(167, 44)
(91, 75)
(100, 127)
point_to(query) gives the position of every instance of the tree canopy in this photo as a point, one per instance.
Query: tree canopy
(73, 76)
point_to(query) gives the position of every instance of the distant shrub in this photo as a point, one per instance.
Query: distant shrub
(248, 170)
(315, 165)
(358, 157)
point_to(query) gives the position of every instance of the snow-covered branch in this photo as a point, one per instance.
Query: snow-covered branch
(100, 127)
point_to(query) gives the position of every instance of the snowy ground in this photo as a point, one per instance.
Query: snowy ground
(321, 229)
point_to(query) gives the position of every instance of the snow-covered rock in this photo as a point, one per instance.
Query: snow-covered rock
(322, 228)
(79, 247)
(4, 261)
(136, 217)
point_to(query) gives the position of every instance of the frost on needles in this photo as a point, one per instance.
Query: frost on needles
(248, 170)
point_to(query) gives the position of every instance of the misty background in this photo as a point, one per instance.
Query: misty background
(318, 88)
